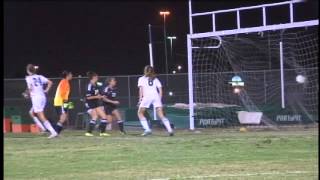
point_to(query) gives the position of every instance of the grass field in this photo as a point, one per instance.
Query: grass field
(209, 154)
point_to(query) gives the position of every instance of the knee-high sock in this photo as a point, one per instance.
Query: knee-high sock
(102, 126)
(166, 123)
(145, 124)
(59, 127)
(39, 124)
(120, 123)
(91, 126)
(49, 127)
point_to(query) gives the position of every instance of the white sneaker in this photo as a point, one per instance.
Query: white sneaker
(146, 133)
(53, 136)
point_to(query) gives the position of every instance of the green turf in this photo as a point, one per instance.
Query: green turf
(210, 154)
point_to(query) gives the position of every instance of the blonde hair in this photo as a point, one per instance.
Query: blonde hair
(149, 72)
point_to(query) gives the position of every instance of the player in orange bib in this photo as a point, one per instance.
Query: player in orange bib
(61, 99)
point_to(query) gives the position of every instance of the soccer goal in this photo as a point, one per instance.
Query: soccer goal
(268, 74)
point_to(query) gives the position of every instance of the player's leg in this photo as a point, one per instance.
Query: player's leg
(145, 103)
(108, 112)
(36, 120)
(38, 105)
(157, 103)
(92, 123)
(104, 121)
(117, 116)
(63, 114)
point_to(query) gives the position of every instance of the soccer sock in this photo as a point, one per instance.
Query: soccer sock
(166, 123)
(120, 124)
(49, 127)
(39, 124)
(103, 125)
(91, 126)
(59, 127)
(145, 124)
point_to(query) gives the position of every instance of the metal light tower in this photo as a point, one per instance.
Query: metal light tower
(164, 14)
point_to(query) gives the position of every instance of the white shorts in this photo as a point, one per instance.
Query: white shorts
(147, 101)
(38, 103)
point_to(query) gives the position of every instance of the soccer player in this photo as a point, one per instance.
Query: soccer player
(35, 85)
(95, 106)
(110, 102)
(26, 94)
(150, 92)
(61, 99)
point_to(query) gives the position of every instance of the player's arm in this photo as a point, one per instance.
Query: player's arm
(159, 86)
(160, 92)
(90, 97)
(140, 93)
(105, 99)
(49, 82)
(140, 86)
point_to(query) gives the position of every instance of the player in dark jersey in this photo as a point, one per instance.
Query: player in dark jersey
(111, 103)
(95, 106)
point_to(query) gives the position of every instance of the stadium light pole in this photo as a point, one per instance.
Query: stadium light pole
(164, 14)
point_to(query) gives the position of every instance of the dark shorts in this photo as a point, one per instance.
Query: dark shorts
(93, 104)
(61, 110)
(109, 109)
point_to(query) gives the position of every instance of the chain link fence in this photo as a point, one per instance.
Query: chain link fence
(263, 88)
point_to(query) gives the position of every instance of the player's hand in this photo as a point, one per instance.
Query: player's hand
(116, 102)
(99, 96)
(26, 94)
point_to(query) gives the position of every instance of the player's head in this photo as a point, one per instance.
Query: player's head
(92, 76)
(111, 81)
(67, 75)
(31, 69)
(149, 71)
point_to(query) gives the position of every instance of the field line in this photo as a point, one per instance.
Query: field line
(240, 174)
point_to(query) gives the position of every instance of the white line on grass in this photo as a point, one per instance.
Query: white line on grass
(236, 175)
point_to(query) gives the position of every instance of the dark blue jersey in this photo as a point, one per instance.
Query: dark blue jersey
(110, 93)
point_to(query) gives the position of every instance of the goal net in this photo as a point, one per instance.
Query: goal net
(244, 74)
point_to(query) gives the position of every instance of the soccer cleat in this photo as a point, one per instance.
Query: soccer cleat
(123, 132)
(53, 136)
(146, 133)
(104, 134)
(89, 134)
(171, 134)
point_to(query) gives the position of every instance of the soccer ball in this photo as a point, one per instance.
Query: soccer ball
(301, 79)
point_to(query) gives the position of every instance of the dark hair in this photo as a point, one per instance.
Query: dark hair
(31, 68)
(91, 74)
(149, 72)
(109, 79)
(65, 73)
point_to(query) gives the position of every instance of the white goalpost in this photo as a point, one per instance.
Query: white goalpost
(267, 58)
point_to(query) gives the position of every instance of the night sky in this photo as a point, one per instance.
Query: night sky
(107, 37)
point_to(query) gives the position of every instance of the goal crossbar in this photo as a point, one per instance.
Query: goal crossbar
(257, 29)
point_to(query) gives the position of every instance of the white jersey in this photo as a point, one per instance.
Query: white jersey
(35, 84)
(149, 86)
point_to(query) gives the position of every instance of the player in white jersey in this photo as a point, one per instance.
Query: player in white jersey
(150, 92)
(37, 94)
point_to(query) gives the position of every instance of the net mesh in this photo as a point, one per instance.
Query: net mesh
(255, 58)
